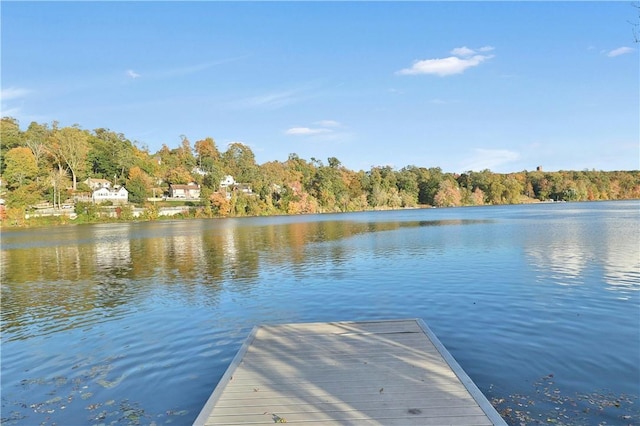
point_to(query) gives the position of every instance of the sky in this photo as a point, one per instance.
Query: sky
(504, 86)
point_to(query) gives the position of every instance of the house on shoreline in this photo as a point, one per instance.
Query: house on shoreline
(190, 191)
(228, 184)
(117, 195)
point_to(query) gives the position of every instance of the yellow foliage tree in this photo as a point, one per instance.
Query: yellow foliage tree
(220, 203)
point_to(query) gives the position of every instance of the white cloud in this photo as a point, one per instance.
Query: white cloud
(326, 127)
(486, 49)
(462, 59)
(490, 159)
(327, 123)
(620, 51)
(462, 51)
(444, 66)
(13, 93)
(306, 131)
(132, 74)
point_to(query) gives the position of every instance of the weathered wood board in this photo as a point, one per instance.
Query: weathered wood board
(392, 372)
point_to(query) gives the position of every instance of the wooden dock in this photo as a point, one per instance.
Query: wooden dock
(346, 373)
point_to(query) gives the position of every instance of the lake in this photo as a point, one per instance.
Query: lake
(134, 323)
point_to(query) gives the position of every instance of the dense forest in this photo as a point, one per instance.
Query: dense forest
(49, 163)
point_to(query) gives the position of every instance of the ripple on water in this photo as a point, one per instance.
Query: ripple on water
(515, 294)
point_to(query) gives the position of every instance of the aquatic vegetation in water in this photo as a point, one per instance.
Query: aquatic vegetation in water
(550, 406)
(62, 392)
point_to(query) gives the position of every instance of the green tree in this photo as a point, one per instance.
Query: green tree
(111, 154)
(35, 139)
(557, 183)
(379, 183)
(329, 187)
(20, 167)
(305, 169)
(496, 191)
(239, 161)
(165, 157)
(429, 184)
(334, 163)
(10, 134)
(513, 189)
(88, 211)
(407, 182)
(176, 165)
(71, 144)
(138, 185)
(275, 175)
(479, 180)
(25, 195)
(540, 184)
(10, 137)
(209, 163)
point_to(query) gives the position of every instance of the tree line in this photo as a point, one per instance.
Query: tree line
(48, 163)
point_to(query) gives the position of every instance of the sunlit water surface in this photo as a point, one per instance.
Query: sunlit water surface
(135, 323)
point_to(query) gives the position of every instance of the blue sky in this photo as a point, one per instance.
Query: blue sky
(458, 85)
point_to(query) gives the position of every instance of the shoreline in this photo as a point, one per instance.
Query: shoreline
(194, 212)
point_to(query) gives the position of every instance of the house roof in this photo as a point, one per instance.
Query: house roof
(104, 190)
(184, 186)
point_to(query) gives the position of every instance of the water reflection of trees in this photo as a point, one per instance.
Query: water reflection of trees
(201, 250)
(104, 266)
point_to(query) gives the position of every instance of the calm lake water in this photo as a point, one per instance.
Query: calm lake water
(135, 323)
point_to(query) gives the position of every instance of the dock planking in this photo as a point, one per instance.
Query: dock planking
(393, 372)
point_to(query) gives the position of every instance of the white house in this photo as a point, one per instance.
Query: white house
(191, 190)
(117, 195)
(243, 187)
(199, 171)
(227, 181)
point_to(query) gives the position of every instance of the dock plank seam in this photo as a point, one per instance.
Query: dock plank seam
(346, 373)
